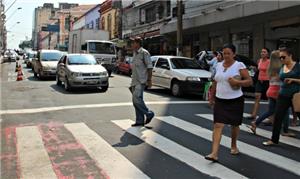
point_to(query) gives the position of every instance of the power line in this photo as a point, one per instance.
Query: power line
(10, 6)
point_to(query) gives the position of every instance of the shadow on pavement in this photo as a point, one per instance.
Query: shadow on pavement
(75, 91)
(127, 139)
(167, 93)
(32, 78)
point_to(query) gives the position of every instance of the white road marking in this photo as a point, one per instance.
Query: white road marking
(297, 128)
(177, 151)
(260, 132)
(34, 159)
(252, 151)
(58, 108)
(108, 158)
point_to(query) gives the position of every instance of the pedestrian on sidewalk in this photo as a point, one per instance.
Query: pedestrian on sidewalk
(290, 78)
(227, 99)
(262, 83)
(273, 90)
(141, 78)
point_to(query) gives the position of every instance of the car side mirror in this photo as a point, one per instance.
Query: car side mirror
(164, 66)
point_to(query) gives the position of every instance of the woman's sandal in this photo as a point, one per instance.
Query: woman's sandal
(269, 143)
(253, 128)
(207, 157)
(234, 151)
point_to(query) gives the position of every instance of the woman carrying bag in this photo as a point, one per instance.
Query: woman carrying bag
(227, 99)
(290, 78)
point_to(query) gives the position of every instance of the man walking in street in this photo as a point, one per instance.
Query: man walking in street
(141, 77)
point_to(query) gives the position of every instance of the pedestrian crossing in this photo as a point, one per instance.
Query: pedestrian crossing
(177, 140)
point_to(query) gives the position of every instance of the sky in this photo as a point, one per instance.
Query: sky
(19, 32)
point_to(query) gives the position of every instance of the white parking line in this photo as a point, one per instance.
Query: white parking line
(49, 109)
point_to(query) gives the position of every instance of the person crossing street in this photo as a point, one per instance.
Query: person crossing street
(141, 78)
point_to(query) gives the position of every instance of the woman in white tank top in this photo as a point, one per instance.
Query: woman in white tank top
(228, 100)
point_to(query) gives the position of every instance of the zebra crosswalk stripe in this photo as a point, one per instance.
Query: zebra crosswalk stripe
(177, 151)
(266, 156)
(34, 159)
(260, 132)
(113, 163)
(297, 128)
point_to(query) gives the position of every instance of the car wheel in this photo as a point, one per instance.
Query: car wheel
(176, 89)
(67, 85)
(104, 88)
(58, 82)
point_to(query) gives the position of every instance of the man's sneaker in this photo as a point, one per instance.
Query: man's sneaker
(149, 118)
(137, 124)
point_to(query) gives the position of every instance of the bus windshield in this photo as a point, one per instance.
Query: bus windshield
(101, 48)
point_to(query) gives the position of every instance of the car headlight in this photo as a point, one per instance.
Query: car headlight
(74, 74)
(104, 74)
(192, 78)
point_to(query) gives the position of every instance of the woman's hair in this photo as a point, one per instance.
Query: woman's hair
(268, 50)
(220, 53)
(230, 46)
(275, 63)
(283, 48)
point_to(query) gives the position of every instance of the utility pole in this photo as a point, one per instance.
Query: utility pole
(120, 19)
(49, 40)
(179, 28)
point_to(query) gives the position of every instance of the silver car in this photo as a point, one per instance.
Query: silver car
(81, 70)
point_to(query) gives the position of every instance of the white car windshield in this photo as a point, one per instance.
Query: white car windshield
(183, 63)
(51, 56)
(82, 60)
(101, 48)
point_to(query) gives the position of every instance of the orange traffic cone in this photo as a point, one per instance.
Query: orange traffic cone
(20, 74)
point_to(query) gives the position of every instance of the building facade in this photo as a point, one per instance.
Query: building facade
(144, 19)
(89, 20)
(42, 17)
(109, 19)
(67, 17)
(250, 25)
(63, 17)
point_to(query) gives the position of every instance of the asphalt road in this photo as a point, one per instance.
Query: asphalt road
(47, 132)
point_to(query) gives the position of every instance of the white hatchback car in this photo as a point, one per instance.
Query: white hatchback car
(81, 70)
(180, 75)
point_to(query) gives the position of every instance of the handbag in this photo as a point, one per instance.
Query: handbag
(296, 102)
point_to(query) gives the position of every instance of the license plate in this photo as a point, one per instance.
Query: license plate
(91, 82)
